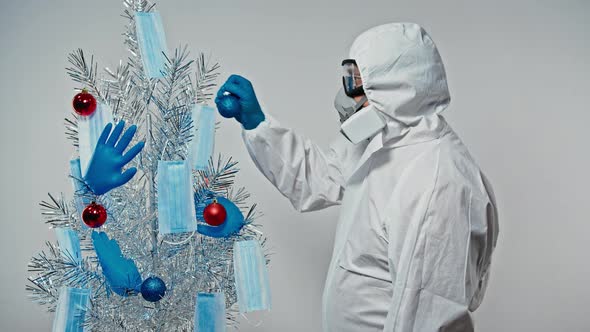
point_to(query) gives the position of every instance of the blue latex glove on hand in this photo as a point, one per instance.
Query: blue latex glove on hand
(104, 168)
(120, 272)
(249, 114)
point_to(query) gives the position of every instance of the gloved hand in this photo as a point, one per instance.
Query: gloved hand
(104, 168)
(249, 113)
(120, 272)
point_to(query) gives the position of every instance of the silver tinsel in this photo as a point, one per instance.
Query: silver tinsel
(189, 263)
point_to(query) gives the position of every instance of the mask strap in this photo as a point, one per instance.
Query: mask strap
(360, 103)
(257, 324)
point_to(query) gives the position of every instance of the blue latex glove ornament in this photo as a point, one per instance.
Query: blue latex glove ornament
(104, 168)
(121, 273)
(233, 222)
(241, 102)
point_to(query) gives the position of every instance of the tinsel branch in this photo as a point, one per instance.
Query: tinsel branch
(84, 73)
(174, 98)
(137, 6)
(56, 212)
(217, 178)
(55, 269)
(175, 89)
(206, 77)
(122, 93)
(72, 129)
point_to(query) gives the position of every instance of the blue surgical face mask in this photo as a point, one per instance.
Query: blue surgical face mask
(69, 244)
(71, 308)
(210, 312)
(251, 276)
(152, 42)
(176, 206)
(203, 142)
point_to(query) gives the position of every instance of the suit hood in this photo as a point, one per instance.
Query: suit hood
(404, 79)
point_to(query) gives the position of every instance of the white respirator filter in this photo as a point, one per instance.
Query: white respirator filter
(362, 125)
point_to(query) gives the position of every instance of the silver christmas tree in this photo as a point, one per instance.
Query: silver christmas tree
(188, 262)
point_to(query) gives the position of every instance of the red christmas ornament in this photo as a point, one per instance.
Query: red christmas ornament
(94, 215)
(84, 103)
(214, 214)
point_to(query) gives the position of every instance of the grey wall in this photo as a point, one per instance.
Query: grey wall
(518, 74)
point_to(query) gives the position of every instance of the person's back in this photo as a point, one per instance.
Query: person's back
(414, 241)
(418, 221)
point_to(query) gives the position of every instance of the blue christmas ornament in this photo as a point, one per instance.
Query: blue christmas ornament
(228, 106)
(234, 220)
(153, 289)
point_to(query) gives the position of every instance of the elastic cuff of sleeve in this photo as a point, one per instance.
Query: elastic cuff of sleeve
(267, 122)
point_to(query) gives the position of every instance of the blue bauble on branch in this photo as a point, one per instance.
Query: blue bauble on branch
(153, 289)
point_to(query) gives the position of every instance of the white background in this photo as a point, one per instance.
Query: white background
(518, 75)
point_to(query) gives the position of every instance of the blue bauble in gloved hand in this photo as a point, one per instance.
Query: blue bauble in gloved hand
(229, 106)
(250, 114)
(104, 168)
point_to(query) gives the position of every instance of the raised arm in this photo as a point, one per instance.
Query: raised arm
(308, 176)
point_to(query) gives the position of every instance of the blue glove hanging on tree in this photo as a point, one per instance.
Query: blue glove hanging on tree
(104, 168)
(236, 98)
(120, 272)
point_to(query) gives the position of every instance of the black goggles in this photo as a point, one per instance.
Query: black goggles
(351, 78)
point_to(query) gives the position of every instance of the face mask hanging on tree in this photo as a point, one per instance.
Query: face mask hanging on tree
(251, 276)
(69, 244)
(152, 43)
(70, 312)
(176, 207)
(203, 140)
(210, 312)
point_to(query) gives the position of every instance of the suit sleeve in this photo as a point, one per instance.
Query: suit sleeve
(442, 263)
(308, 176)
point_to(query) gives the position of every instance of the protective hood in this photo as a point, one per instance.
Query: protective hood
(404, 78)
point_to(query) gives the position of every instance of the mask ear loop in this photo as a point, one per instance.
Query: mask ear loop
(181, 242)
(250, 322)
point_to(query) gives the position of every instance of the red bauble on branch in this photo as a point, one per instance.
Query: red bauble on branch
(214, 214)
(94, 215)
(84, 103)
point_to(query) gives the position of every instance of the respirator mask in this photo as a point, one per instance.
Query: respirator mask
(357, 122)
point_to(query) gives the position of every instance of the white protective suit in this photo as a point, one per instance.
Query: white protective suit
(418, 222)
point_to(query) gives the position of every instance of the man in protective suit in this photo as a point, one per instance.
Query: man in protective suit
(418, 222)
